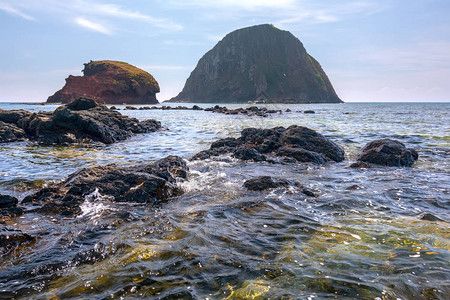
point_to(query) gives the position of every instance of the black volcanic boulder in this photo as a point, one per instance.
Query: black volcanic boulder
(295, 142)
(82, 120)
(111, 82)
(259, 63)
(388, 152)
(151, 183)
(11, 133)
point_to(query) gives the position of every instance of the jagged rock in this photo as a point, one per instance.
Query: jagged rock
(11, 133)
(150, 183)
(300, 143)
(258, 64)
(82, 120)
(388, 152)
(111, 82)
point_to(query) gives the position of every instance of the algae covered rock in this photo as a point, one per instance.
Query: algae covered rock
(111, 82)
(258, 63)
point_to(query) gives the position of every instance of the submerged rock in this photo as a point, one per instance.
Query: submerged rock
(11, 239)
(82, 120)
(149, 183)
(297, 142)
(111, 82)
(388, 152)
(263, 183)
(259, 64)
(8, 206)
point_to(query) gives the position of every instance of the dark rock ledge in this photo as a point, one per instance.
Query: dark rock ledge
(80, 121)
(278, 144)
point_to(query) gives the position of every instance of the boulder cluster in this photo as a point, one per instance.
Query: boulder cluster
(80, 121)
(278, 144)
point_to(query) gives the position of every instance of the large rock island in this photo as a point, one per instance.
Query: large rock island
(259, 63)
(110, 82)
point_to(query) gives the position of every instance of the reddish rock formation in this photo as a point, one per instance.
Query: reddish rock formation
(110, 82)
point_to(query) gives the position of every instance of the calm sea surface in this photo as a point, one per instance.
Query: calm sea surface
(361, 238)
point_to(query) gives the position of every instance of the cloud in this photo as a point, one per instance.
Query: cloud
(93, 26)
(15, 12)
(82, 11)
(314, 12)
(117, 11)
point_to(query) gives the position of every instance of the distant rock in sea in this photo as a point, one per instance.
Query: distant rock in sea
(111, 82)
(260, 63)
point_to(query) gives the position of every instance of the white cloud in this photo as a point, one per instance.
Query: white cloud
(93, 26)
(113, 10)
(82, 9)
(14, 11)
(314, 12)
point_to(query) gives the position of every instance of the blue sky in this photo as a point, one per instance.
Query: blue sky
(372, 50)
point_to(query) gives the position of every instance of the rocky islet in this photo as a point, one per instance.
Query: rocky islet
(111, 82)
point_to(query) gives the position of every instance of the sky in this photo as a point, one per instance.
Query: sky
(372, 50)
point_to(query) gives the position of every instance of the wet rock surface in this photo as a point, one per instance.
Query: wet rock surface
(11, 133)
(263, 183)
(151, 183)
(388, 152)
(80, 121)
(11, 239)
(295, 142)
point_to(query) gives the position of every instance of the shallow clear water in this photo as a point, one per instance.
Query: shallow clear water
(362, 238)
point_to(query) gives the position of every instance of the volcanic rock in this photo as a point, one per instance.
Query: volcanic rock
(7, 201)
(263, 183)
(111, 82)
(295, 142)
(388, 152)
(82, 120)
(151, 183)
(11, 133)
(258, 64)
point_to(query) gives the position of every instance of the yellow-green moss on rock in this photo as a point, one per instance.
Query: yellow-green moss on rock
(111, 82)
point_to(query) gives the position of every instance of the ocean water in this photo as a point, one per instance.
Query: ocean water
(361, 238)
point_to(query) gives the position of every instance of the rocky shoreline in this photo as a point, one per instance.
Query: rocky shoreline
(80, 121)
(154, 184)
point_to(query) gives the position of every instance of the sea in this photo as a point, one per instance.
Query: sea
(363, 237)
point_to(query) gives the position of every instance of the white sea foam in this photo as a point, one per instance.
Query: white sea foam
(94, 205)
